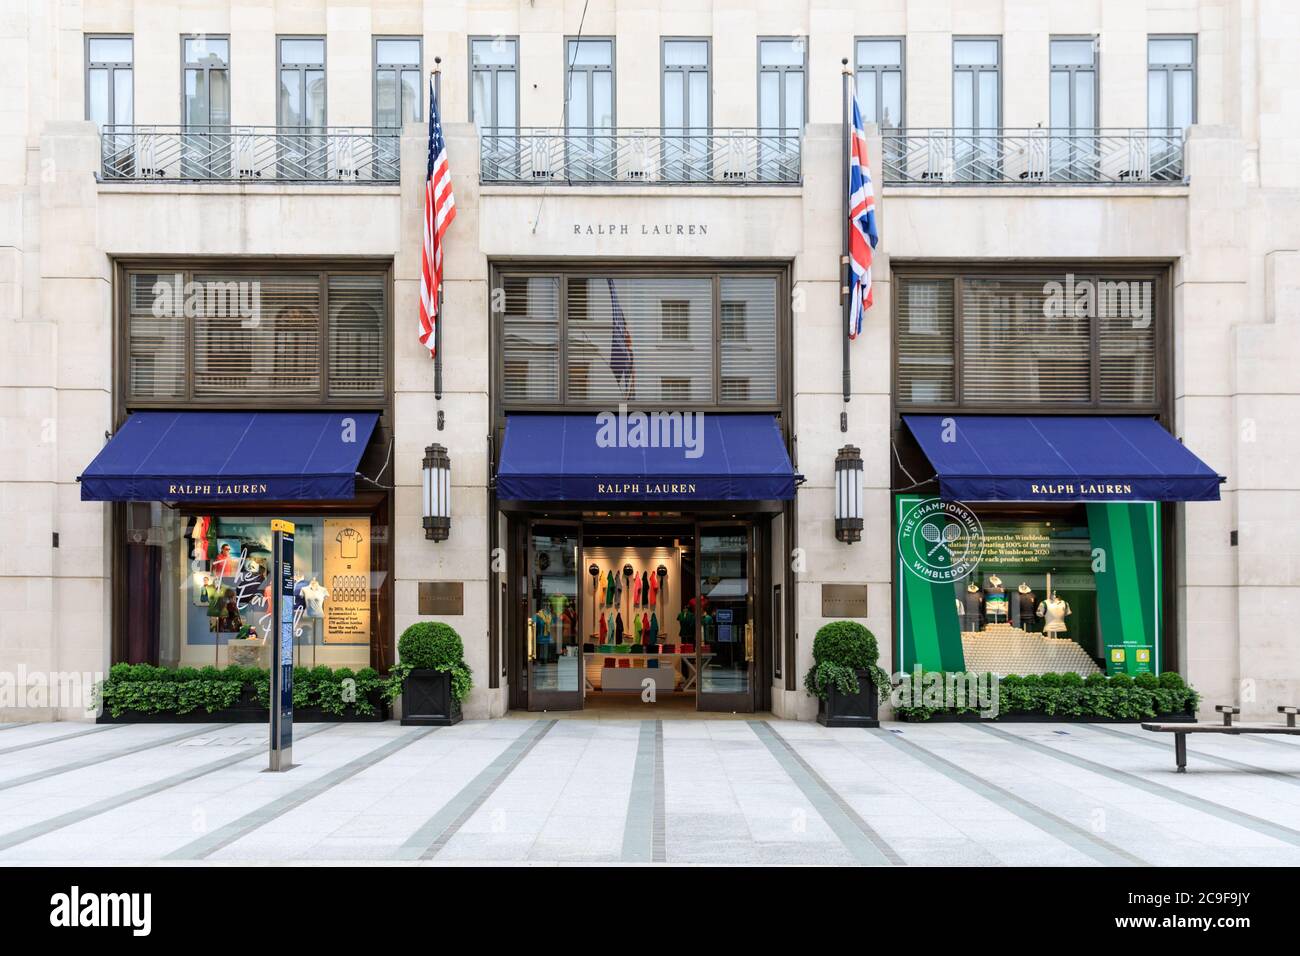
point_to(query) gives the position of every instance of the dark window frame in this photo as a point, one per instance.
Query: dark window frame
(1094, 68)
(323, 269)
(376, 65)
(780, 70)
(780, 271)
(111, 66)
(494, 69)
(1159, 273)
(571, 67)
(996, 70)
(880, 71)
(302, 69)
(1170, 68)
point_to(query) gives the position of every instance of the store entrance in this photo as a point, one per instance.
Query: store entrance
(616, 614)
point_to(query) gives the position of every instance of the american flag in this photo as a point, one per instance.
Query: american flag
(622, 361)
(862, 223)
(439, 213)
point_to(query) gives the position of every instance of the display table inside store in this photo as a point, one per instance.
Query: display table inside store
(630, 677)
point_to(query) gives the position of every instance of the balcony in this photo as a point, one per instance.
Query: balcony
(1019, 157)
(551, 156)
(250, 154)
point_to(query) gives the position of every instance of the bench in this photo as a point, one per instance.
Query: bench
(1180, 731)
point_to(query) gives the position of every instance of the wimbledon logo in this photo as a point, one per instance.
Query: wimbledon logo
(940, 540)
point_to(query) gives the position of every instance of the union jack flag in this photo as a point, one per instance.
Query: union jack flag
(622, 360)
(439, 212)
(862, 224)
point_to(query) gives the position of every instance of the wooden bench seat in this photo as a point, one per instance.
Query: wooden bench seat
(1180, 731)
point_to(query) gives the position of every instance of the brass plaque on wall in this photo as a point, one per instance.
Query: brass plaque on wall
(844, 600)
(442, 597)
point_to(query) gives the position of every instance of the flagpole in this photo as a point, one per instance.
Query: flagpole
(437, 323)
(845, 283)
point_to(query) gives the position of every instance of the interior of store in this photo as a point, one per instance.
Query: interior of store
(652, 616)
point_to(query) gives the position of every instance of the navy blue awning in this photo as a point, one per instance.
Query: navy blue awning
(592, 458)
(1060, 458)
(231, 456)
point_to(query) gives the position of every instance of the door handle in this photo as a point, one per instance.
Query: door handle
(749, 641)
(532, 640)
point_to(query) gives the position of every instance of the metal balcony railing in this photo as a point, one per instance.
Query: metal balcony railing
(554, 155)
(250, 154)
(941, 157)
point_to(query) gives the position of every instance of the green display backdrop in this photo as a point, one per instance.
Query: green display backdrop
(1126, 541)
(929, 633)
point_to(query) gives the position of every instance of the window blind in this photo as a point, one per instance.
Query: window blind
(925, 341)
(356, 335)
(749, 341)
(1127, 341)
(531, 347)
(1012, 351)
(641, 339)
(266, 343)
(155, 336)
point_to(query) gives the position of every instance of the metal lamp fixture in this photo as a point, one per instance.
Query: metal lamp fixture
(848, 494)
(437, 493)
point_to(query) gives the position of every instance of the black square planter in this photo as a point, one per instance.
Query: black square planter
(850, 710)
(427, 699)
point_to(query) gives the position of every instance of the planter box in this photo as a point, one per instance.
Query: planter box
(948, 717)
(247, 710)
(850, 710)
(427, 699)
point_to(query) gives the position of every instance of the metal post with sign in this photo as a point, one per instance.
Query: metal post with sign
(282, 646)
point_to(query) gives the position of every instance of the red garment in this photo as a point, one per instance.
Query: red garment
(654, 590)
(625, 662)
(645, 628)
(636, 591)
(604, 629)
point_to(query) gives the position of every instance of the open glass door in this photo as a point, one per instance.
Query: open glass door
(724, 618)
(553, 646)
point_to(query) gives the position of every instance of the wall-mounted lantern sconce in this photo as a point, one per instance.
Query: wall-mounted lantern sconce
(848, 494)
(437, 493)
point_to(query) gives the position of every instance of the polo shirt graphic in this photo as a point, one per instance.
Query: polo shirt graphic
(349, 540)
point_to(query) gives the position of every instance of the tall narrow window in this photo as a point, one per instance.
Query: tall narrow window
(879, 79)
(589, 108)
(1171, 102)
(205, 107)
(782, 70)
(687, 104)
(977, 107)
(494, 102)
(301, 114)
(397, 81)
(110, 91)
(1073, 150)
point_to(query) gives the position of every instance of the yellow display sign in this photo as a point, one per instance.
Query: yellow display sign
(1144, 655)
(347, 578)
(1117, 655)
(279, 524)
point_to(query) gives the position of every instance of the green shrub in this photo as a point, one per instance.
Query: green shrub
(1095, 680)
(1172, 680)
(1146, 681)
(840, 650)
(431, 645)
(1071, 679)
(1049, 680)
(1120, 680)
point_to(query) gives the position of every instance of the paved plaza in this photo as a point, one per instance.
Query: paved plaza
(730, 791)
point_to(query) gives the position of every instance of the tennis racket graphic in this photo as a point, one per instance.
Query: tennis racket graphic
(941, 538)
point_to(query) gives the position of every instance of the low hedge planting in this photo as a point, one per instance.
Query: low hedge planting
(1071, 695)
(148, 689)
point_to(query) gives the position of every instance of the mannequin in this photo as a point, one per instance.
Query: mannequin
(973, 601)
(1054, 611)
(1025, 603)
(314, 596)
(995, 599)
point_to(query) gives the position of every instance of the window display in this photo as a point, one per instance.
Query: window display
(214, 603)
(1068, 588)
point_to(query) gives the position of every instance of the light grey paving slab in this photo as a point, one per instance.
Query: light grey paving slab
(1061, 829)
(17, 724)
(428, 840)
(60, 738)
(43, 827)
(260, 816)
(865, 845)
(97, 759)
(1166, 744)
(1226, 814)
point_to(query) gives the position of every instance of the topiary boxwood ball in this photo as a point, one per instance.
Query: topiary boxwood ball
(430, 644)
